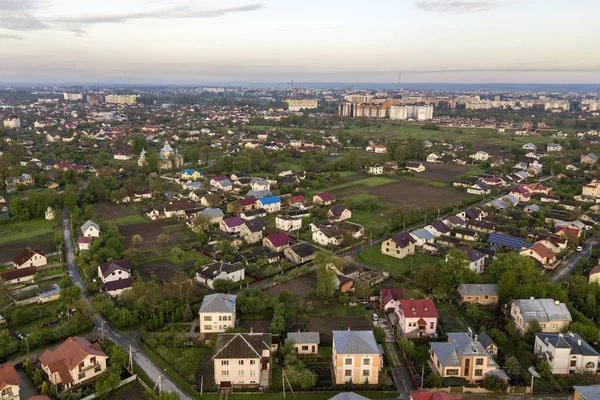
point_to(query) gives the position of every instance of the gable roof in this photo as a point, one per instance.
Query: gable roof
(234, 221)
(304, 337)
(403, 239)
(109, 267)
(269, 200)
(26, 255)
(355, 342)
(8, 376)
(348, 396)
(485, 340)
(68, 355)
(543, 310)
(326, 196)
(588, 392)
(418, 308)
(218, 302)
(278, 239)
(478, 289)
(388, 295)
(568, 340)
(241, 345)
(426, 395)
(255, 225)
(89, 224)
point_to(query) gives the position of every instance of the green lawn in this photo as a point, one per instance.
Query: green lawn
(362, 197)
(371, 220)
(373, 257)
(22, 230)
(345, 174)
(129, 219)
(291, 166)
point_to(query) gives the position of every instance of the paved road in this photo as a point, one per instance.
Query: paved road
(121, 338)
(570, 265)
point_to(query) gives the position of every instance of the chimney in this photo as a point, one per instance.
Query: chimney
(579, 342)
(251, 330)
(226, 296)
(557, 302)
(532, 298)
(348, 329)
(475, 338)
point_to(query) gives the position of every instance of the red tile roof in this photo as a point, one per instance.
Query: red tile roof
(542, 251)
(18, 273)
(68, 355)
(425, 395)
(595, 270)
(279, 239)
(418, 308)
(8, 376)
(26, 255)
(326, 196)
(388, 295)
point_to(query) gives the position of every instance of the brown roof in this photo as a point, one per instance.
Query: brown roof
(8, 376)
(18, 273)
(26, 255)
(542, 250)
(68, 355)
(41, 397)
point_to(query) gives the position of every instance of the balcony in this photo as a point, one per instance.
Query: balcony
(91, 366)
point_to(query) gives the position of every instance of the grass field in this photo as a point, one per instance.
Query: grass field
(373, 257)
(370, 220)
(291, 166)
(367, 182)
(129, 219)
(21, 230)
(362, 197)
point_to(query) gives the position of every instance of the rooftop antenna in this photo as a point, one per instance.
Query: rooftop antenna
(400, 81)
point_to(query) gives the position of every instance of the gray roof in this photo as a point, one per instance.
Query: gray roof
(349, 396)
(478, 289)
(304, 337)
(89, 223)
(218, 302)
(242, 345)
(568, 341)
(543, 310)
(485, 340)
(212, 213)
(589, 392)
(355, 342)
(446, 353)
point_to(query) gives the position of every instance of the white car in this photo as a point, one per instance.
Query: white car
(579, 248)
(375, 317)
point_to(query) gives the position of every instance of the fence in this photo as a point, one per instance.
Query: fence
(123, 383)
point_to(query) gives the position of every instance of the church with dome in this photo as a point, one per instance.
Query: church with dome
(169, 158)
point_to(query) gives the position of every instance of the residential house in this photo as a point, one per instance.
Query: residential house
(29, 258)
(232, 225)
(377, 148)
(90, 229)
(116, 276)
(462, 356)
(591, 392)
(529, 146)
(191, 174)
(259, 184)
(287, 223)
(437, 228)
(178, 208)
(589, 159)
(483, 294)
(216, 313)
(541, 253)
(488, 344)
(550, 147)
(9, 382)
(416, 318)
(300, 253)
(414, 166)
(277, 242)
(567, 353)
(17, 277)
(338, 213)
(476, 259)
(123, 155)
(223, 270)
(390, 298)
(479, 188)
(480, 156)
(595, 274)
(356, 357)
(427, 395)
(400, 245)
(375, 169)
(305, 343)
(75, 361)
(252, 231)
(139, 195)
(422, 236)
(253, 214)
(323, 199)
(214, 215)
(552, 315)
(297, 201)
(434, 158)
(521, 194)
(270, 204)
(466, 234)
(243, 359)
(221, 183)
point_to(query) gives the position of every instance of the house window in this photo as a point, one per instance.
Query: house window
(81, 375)
(479, 361)
(224, 373)
(241, 362)
(366, 372)
(554, 326)
(7, 392)
(348, 372)
(348, 361)
(486, 297)
(98, 368)
(93, 360)
(452, 372)
(478, 372)
(304, 348)
(207, 318)
(220, 318)
(252, 372)
(573, 363)
(241, 372)
(431, 325)
(81, 364)
(366, 361)
(207, 327)
(224, 362)
(252, 362)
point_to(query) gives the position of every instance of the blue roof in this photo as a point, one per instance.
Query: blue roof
(422, 234)
(512, 242)
(194, 185)
(270, 200)
(190, 171)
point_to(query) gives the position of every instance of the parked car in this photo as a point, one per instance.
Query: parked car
(579, 248)
(375, 317)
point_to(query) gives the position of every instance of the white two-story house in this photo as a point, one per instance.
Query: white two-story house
(217, 313)
(567, 353)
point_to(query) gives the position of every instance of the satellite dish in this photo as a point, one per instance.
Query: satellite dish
(533, 372)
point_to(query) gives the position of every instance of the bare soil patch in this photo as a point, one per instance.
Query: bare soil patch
(324, 325)
(150, 231)
(442, 172)
(161, 269)
(299, 287)
(108, 211)
(10, 250)
(256, 325)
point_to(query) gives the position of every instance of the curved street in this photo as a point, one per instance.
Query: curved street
(124, 339)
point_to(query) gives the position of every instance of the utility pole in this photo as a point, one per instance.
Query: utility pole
(283, 382)
(27, 343)
(102, 327)
(422, 376)
(201, 384)
(130, 359)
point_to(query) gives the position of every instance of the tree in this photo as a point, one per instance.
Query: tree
(300, 377)
(454, 271)
(473, 311)
(278, 322)
(532, 328)
(201, 223)
(162, 239)
(118, 356)
(177, 253)
(181, 286)
(407, 346)
(106, 383)
(379, 334)
(187, 314)
(427, 277)
(362, 289)
(45, 390)
(37, 378)
(512, 366)
(326, 263)
(168, 396)
(433, 380)
(137, 240)
(222, 285)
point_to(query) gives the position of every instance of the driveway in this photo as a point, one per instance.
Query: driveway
(26, 387)
(561, 272)
(121, 338)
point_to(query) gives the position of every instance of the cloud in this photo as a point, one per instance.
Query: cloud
(9, 36)
(20, 15)
(459, 6)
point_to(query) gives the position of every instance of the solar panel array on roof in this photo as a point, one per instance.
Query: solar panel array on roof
(512, 242)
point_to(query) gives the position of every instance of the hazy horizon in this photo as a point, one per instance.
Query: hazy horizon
(210, 42)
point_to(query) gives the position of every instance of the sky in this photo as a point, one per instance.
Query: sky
(202, 42)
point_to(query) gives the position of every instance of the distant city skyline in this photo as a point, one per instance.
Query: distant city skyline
(207, 41)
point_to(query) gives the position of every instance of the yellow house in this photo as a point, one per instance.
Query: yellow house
(9, 382)
(595, 274)
(552, 315)
(399, 245)
(192, 174)
(356, 357)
